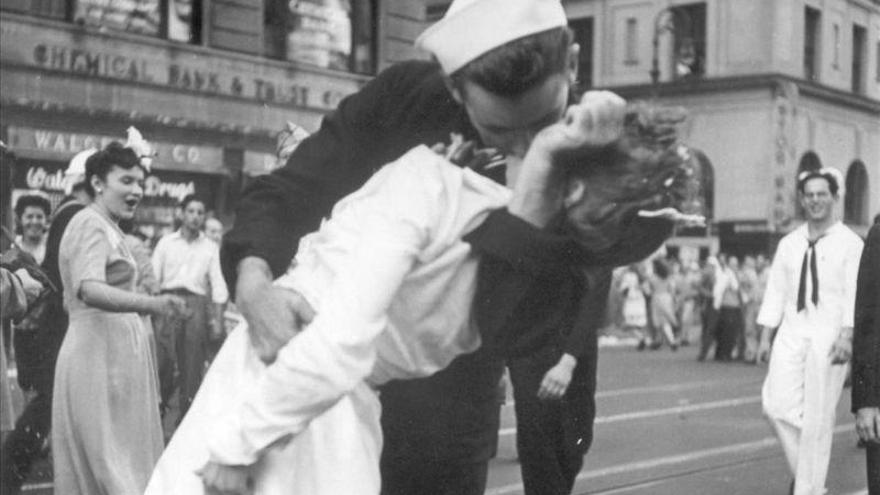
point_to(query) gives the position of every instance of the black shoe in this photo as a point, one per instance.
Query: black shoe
(641, 346)
(674, 347)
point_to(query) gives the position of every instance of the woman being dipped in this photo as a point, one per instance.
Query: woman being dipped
(106, 434)
(392, 282)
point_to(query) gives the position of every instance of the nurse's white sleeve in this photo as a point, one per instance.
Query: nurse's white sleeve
(773, 305)
(851, 274)
(336, 351)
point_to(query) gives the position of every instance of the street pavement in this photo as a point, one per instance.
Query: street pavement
(667, 424)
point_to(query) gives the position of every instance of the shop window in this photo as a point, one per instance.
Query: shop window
(334, 34)
(859, 42)
(583, 36)
(690, 40)
(855, 200)
(53, 9)
(812, 23)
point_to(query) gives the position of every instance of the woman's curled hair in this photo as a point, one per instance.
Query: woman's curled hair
(100, 163)
(646, 169)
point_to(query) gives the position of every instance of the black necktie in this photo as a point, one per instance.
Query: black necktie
(809, 254)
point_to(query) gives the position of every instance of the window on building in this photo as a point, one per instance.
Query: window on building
(877, 64)
(836, 40)
(143, 17)
(53, 9)
(855, 200)
(859, 47)
(184, 20)
(812, 25)
(690, 40)
(334, 34)
(179, 20)
(631, 54)
(583, 36)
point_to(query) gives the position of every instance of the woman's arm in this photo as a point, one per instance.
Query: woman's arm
(102, 296)
(385, 231)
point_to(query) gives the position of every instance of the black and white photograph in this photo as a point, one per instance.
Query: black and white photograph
(440, 247)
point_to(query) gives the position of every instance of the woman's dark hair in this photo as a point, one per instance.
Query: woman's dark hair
(520, 65)
(647, 168)
(29, 200)
(114, 155)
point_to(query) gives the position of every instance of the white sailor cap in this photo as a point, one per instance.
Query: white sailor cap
(471, 28)
(76, 169)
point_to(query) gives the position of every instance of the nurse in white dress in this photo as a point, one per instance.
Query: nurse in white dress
(392, 282)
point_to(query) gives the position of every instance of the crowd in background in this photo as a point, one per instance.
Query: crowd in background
(712, 303)
(167, 283)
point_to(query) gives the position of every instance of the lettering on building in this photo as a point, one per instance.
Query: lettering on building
(197, 77)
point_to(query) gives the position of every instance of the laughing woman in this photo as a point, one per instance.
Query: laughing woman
(106, 434)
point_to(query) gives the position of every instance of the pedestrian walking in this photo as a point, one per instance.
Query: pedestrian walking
(663, 304)
(106, 434)
(866, 357)
(811, 298)
(634, 307)
(186, 264)
(727, 299)
(708, 313)
(751, 297)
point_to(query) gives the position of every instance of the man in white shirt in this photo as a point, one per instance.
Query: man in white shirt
(187, 263)
(811, 298)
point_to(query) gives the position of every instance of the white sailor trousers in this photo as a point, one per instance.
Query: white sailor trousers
(800, 396)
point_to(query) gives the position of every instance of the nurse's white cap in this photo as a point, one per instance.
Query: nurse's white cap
(471, 28)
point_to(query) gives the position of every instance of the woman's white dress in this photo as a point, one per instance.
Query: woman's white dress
(392, 283)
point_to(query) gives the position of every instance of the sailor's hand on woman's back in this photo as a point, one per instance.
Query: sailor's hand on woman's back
(274, 314)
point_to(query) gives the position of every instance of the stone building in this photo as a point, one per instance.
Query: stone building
(209, 82)
(772, 87)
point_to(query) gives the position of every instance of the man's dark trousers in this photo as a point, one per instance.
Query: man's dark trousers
(440, 431)
(184, 341)
(550, 436)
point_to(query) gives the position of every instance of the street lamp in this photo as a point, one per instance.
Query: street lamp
(673, 20)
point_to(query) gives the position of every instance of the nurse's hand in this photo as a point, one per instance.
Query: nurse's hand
(841, 350)
(226, 480)
(274, 315)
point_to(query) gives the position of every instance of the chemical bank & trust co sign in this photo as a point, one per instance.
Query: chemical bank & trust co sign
(164, 64)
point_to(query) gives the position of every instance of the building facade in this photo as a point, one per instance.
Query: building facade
(772, 88)
(209, 82)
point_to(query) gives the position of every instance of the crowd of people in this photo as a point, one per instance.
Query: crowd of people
(126, 286)
(712, 303)
(371, 354)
